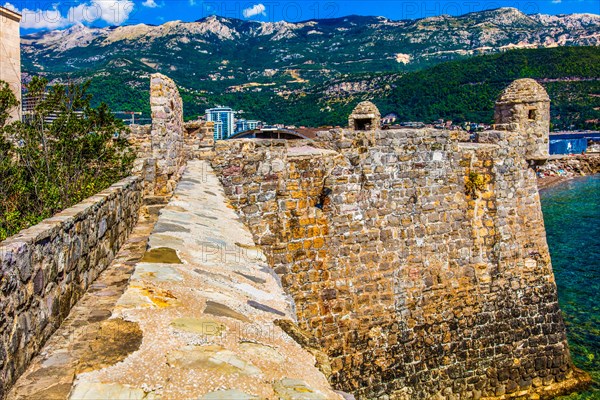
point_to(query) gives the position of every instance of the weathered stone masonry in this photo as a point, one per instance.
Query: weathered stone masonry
(48, 267)
(10, 55)
(418, 262)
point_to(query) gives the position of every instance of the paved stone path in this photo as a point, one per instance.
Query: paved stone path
(196, 321)
(50, 375)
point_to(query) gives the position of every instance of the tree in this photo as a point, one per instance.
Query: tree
(61, 153)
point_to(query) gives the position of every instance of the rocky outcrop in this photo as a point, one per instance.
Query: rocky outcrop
(557, 170)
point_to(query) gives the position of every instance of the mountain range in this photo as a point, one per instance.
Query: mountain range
(265, 68)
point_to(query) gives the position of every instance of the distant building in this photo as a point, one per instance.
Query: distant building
(270, 133)
(10, 54)
(573, 142)
(30, 103)
(243, 125)
(389, 119)
(218, 129)
(223, 117)
(412, 124)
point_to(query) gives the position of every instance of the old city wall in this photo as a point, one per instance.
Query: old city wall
(48, 267)
(418, 262)
(164, 147)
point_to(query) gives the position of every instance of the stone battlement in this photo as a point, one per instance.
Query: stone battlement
(419, 262)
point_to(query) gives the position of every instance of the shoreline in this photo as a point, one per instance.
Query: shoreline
(563, 169)
(551, 181)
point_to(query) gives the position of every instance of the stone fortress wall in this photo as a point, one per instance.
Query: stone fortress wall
(167, 161)
(48, 267)
(418, 262)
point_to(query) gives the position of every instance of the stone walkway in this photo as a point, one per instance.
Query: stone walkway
(200, 318)
(50, 375)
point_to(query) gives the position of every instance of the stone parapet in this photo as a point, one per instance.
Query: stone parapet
(48, 267)
(199, 139)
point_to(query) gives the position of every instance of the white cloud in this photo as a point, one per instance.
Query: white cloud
(192, 2)
(10, 7)
(113, 12)
(556, 1)
(150, 4)
(258, 9)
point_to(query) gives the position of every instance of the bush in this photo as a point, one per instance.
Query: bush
(61, 153)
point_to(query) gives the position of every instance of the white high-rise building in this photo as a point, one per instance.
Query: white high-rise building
(223, 117)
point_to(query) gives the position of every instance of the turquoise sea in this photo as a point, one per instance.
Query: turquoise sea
(572, 218)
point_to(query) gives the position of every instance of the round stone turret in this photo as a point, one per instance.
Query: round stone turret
(525, 105)
(365, 117)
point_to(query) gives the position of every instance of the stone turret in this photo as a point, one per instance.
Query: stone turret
(524, 107)
(365, 117)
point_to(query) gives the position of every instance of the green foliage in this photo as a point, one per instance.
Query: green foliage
(466, 90)
(7, 102)
(62, 153)
(463, 90)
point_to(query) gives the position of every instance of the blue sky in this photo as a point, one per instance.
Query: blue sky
(61, 14)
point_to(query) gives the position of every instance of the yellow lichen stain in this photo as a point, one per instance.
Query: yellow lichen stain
(204, 326)
(161, 298)
(161, 255)
(474, 183)
(247, 246)
(113, 341)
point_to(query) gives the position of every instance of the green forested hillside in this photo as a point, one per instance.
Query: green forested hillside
(463, 90)
(313, 72)
(466, 90)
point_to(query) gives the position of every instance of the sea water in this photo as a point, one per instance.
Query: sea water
(572, 218)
